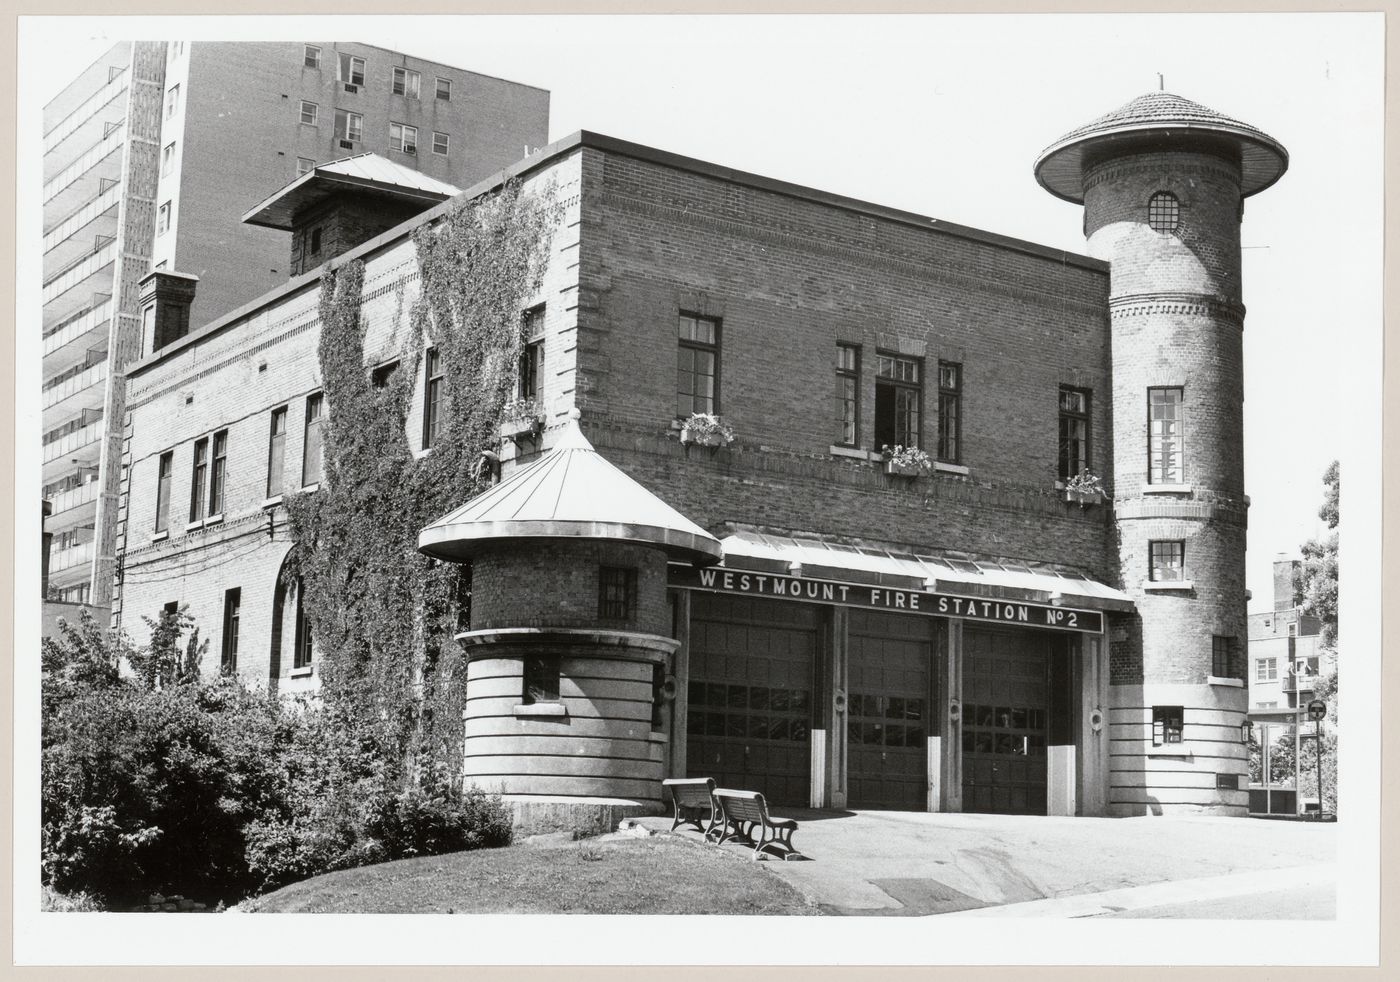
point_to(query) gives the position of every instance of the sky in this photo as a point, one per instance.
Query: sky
(944, 115)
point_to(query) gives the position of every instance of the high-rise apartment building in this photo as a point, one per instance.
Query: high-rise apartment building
(152, 155)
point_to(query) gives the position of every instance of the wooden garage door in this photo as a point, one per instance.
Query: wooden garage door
(1005, 721)
(752, 664)
(887, 712)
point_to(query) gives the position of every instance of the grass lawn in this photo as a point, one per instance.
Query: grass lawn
(661, 874)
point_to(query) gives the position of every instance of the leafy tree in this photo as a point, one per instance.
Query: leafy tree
(1319, 579)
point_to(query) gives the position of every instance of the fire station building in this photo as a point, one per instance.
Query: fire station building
(784, 601)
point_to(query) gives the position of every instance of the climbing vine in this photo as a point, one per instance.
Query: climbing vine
(383, 615)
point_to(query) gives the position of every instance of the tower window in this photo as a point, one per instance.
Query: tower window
(1166, 725)
(1163, 212)
(617, 593)
(1166, 457)
(1168, 560)
(541, 680)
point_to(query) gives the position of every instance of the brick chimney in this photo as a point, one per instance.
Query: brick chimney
(1286, 574)
(165, 308)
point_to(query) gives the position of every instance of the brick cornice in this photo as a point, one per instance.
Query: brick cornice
(1120, 168)
(1188, 304)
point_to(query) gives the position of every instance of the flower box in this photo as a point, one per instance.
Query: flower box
(906, 461)
(704, 439)
(1082, 498)
(706, 430)
(521, 418)
(898, 469)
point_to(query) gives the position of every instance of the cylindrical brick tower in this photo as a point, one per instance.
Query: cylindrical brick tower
(1163, 182)
(570, 645)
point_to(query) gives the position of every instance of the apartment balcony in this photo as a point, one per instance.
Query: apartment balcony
(77, 389)
(81, 448)
(1297, 683)
(78, 555)
(79, 287)
(83, 178)
(74, 508)
(75, 234)
(70, 343)
(103, 253)
(84, 124)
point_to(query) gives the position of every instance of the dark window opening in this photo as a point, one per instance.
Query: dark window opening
(167, 468)
(432, 396)
(697, 365)
(382, 375)
(1166, 453)
(658, 702)
(1168, 560)
(276, 446)
(950, 412)
(1074, 432)
(228, 660)
(219, 473)
(198, 478)
(1166, 725)
(302, 647)
(311, 443)
(617, 593)
(315, 241)
(1163, 212)
(898, 401)
(541, 680)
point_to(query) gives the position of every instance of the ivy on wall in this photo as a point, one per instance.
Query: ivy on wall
(383, 615)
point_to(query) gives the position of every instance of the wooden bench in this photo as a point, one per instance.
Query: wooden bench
(692, 798)
(745, 812)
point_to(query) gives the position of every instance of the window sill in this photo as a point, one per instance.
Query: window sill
(420, 454)
(554, 710)
(308, 488)
(1166, 489)
(214, 519)
(1217, 680)
(272, 502)
(300, 673)
(938, 465)
(1168, 586)
(161, 536)
(656, 736)
(855, 453)
(195, 525)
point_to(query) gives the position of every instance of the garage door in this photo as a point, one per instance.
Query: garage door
(1005, 721)
(752, 664)
(887, 713)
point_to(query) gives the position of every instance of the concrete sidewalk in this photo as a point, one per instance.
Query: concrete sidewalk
(915, 863)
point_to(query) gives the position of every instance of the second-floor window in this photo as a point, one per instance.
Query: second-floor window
(311, 445)
(697, 365)
(898, 401)
(218, 473)
(1166, 451)
(848, 395)
(406, 82)
(165, 470)
(311, 113)
(198, 478)
(950, 412)
(403, 138)
(1074, 432)
(432, 396)
(540, 681)
(276, 452)
(1168, 560)
(349, 126)
(1266, 670)
(531, 355)
(440, 143)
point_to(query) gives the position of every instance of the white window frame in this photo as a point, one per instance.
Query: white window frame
(407, 83)
(438, 88)
(310, 165)
(446, 144)
(310, 56)
(163, 218)
(354, 130)
(172, 100)
(315, 114)
(1266, 670)
(403, 138)
(167, 158)
(356, 72)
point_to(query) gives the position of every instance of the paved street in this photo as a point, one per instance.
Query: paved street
(912, 863)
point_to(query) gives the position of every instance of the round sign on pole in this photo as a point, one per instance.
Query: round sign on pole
(1317, 710)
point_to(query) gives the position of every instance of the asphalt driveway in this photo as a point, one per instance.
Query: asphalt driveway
(914, 863)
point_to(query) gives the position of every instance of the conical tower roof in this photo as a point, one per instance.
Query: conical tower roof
(571, 492)
(1152, 119)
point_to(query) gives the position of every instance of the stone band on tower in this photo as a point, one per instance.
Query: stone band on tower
(1163, 182)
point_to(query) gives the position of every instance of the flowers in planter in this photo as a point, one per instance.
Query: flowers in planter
(1086, 487)
(522, 416)
(707, 430)
(906, 461)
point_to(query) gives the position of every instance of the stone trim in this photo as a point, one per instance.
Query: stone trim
(1187, 304)
(1124, 167)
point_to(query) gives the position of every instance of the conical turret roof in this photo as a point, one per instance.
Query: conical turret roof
(1157, 116)
(571, 492)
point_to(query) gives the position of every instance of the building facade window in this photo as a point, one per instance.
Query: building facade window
(276, 452)
(403, 138)
(310, 113)
(1074, 432)
(311, 56)
(432, 396)
(617, 593)
(311, 443)
(351, 70)
(540, 680)
(305, 165)
(899, 398)
(302, 645)
(1166, 443)
(1166, 725)
(658, 697)
(697, 365)
(1266, 670)
(848, 395)
(1168, 560)
(164, 472)
(198, 478)
(444, 89)
(218, 473)
(163, 219)
(528, 373)
(314, 246)
(349, 127)
(172, 100)
(381, 375)
(1224, 660)
(228, 656)
(406, 82)
(1163, 212)
(950, 412)
(167, 158)
(440, 143)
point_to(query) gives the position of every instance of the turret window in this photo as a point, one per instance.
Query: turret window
(1163, 212)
